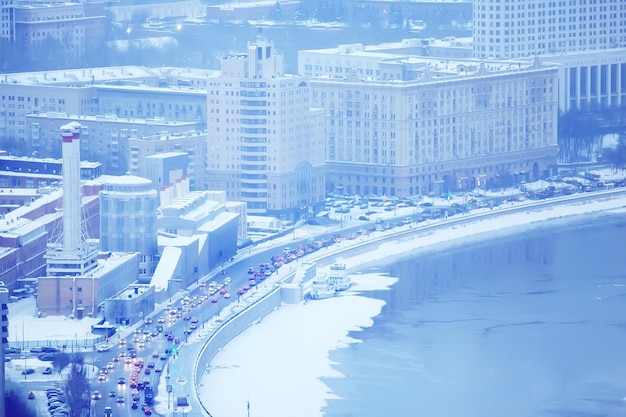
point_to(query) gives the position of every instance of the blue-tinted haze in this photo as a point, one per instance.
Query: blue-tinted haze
(530, 325)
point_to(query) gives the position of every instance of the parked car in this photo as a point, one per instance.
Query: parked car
(49, 349)
(28, 371)
(47, 371)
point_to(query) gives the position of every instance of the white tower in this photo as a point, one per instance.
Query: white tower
(74, 256)
(72, 241)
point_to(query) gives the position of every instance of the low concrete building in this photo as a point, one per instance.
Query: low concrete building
(130, 305)
(84, 295)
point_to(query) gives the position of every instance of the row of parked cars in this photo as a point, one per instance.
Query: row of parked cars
(57, 402)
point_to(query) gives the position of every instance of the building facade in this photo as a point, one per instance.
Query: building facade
(266, 143)
(105, 138)
(130, 92)
(193, 143)
(128, 220)
(586, 38)
(79, 27)
(409, 125)
(504, 29)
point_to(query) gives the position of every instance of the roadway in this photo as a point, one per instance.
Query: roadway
(177, 314)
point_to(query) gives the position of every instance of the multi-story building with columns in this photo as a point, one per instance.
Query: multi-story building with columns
(586, 38)
(266, 142)
(512, 29)
(414, 125)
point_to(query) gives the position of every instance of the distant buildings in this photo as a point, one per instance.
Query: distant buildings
(79, 27)
(540, 27)
(586, 39)
(131, 92)
(266, 142)
(108, 139)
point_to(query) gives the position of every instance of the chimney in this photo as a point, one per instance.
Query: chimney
(70, 134)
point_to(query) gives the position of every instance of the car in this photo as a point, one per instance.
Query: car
(134, 405)
(147, 412)
(47, 371)
(102, 377)
(163, 357)
(148, 320)
(108, 412)
(46, 357)
(36, 350)
(110, 365)
(121, 381)
(28, 371)
(120, 400)
(112, 394)
(10, 350)
(49, 349)
(31, 395)
(104, 348)
(364, 218)
(158, 369)
(96, 395)
(426, 204)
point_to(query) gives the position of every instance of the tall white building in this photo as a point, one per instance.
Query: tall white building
(407, 125)
(266, 143)
(511, 29)
(587, 38)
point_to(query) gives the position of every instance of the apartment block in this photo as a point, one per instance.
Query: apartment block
(417, 125)
(266, 142)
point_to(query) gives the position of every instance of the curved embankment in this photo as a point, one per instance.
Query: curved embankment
(485, 221)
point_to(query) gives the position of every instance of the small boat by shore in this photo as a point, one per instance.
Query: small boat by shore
(321, 288)
(338, 278)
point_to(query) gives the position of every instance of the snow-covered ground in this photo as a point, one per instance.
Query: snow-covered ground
(296, 359)
(237, 377)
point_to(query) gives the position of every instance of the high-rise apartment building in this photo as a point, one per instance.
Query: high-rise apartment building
(266, 144)
(512, 29)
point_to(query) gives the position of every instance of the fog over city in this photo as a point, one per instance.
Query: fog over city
(312, 208)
